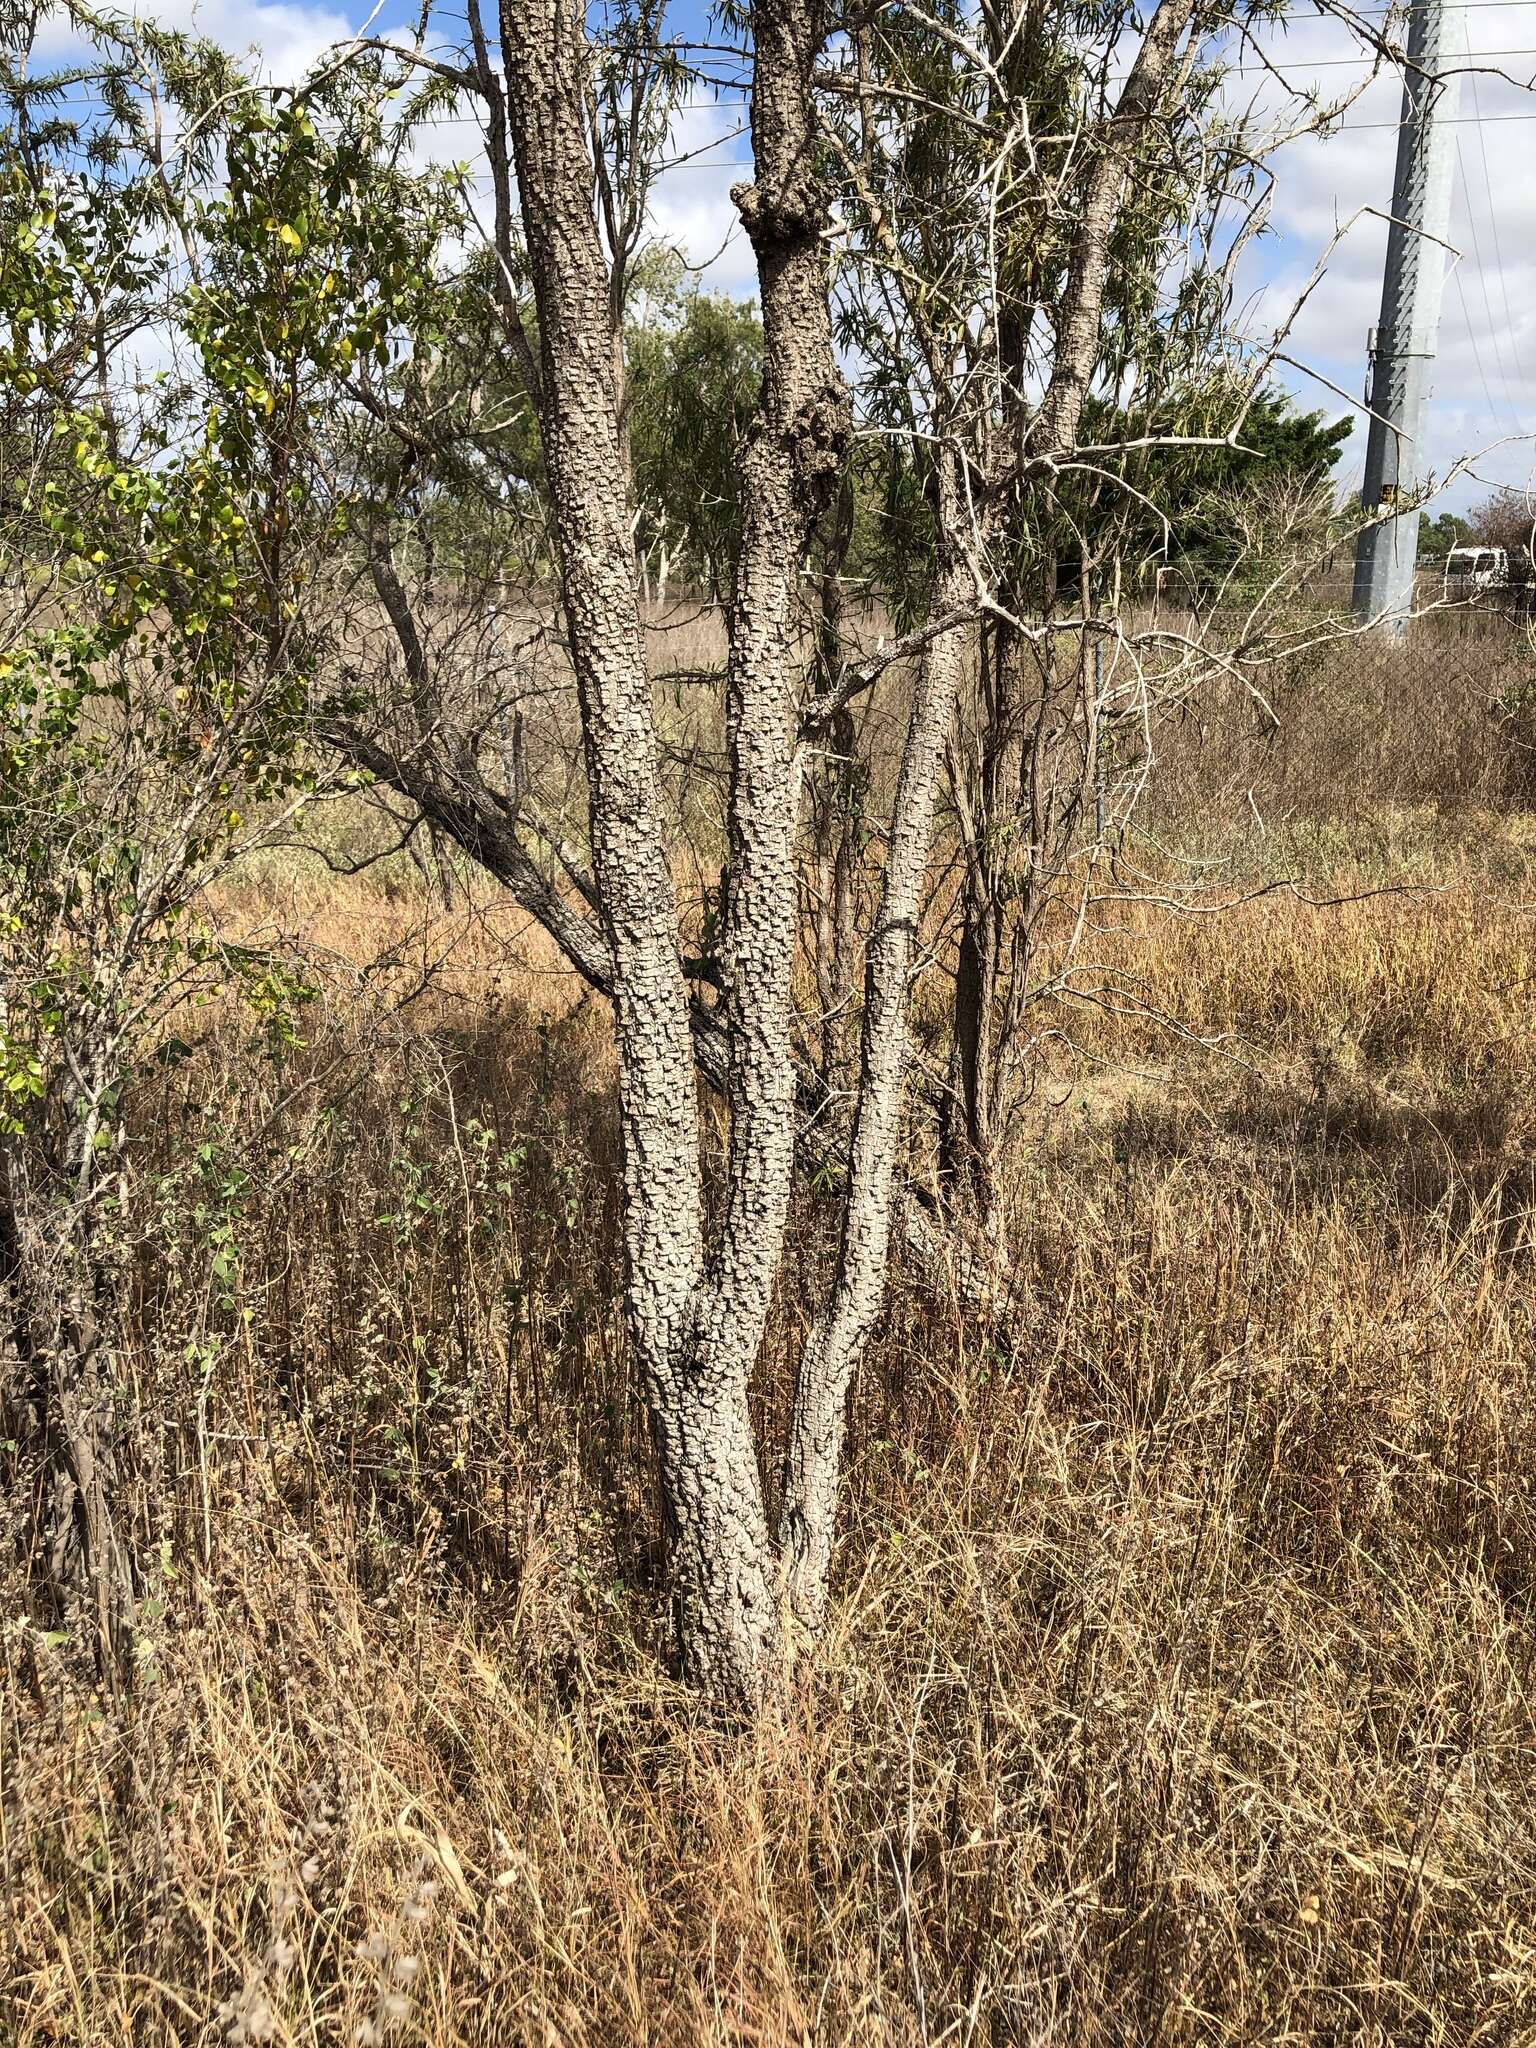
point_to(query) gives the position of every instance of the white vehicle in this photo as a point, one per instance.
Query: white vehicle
(1470, 570)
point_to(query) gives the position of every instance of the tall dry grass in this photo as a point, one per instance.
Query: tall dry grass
(1178, 1688)
(1342, 726)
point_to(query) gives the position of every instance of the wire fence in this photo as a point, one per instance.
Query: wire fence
(1349, 727)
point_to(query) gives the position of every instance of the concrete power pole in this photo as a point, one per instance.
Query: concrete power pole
(1402, 349)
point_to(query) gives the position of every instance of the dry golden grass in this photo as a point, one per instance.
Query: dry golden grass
(1179, 1682)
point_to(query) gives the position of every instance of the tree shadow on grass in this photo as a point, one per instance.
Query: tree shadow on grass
(1323, 1138)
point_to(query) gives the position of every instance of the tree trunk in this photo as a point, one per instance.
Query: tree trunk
(710, 1493)
(725, 1599)
(838, 784)
(65, 1420)
(979, 785)
(697, 1325)
(89, 1563)
(1018, 800)
(837, 1341)
(838, 802)
(790, 464)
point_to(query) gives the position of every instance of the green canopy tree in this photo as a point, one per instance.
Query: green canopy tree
(158, 665)
(695, 365)
(1439, 535)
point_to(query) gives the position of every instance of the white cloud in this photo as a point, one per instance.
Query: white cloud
(285, 38)
(692, 206)
(282, 36)
(1484, 404)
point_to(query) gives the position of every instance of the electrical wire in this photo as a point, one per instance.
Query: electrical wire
(1468, 60)
(1443, 121)
(1498, 253)
(1477, 354)
(717, 106)
(1492, 326)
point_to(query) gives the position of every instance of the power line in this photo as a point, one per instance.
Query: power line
(1454, 121)
(714, 106)
(1413, 7)
(1475, 60)
(1498, 255)
(1477, 354)
(1482, 280)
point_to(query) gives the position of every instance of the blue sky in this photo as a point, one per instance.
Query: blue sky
(1485, 382)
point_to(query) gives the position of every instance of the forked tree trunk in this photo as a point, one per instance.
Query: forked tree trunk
(697, 1315)
(697, 1322)
(711, 1504)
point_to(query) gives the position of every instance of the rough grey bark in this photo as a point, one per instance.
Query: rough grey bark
(544, 58)
(789, 466)
(837, 1340)
(697, 1324)
(836, 796)
(718, 1541)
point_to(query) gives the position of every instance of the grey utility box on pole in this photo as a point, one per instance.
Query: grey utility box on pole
(1403, 346)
